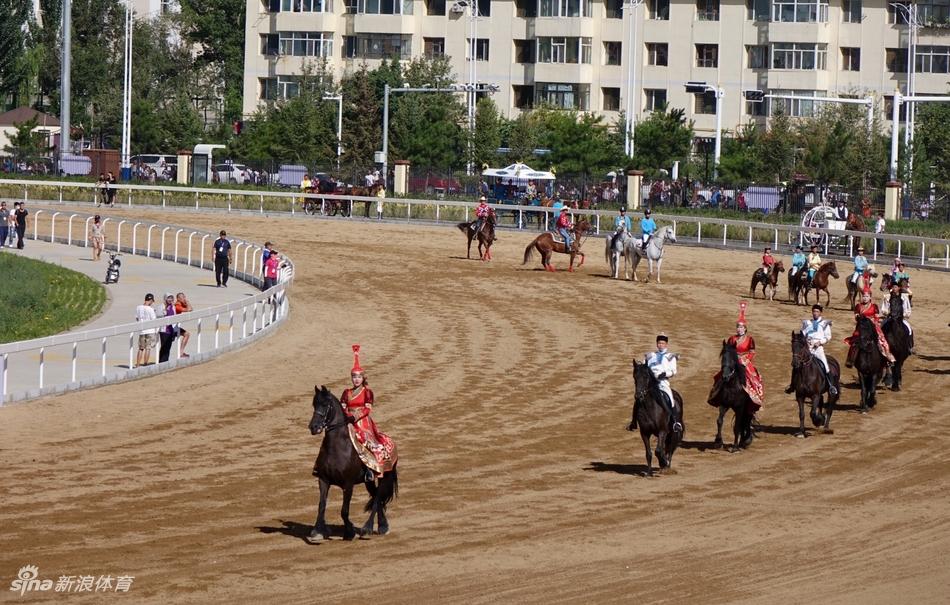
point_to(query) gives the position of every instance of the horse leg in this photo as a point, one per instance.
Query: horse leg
(468, 253)
(722, 414)
(570, 266)
(646, 444)
(661, 456)
(659, 262)
(583, 258)
(320, 531)
(801, 417)
(367, 530)
(349, 532)
(897, 374)
(738, 421)
(636, 263)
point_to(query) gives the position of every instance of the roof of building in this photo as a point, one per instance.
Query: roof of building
(22, 114)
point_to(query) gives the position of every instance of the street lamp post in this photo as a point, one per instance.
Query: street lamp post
(895, 120)
(719, 92)
(339, 126)
(64, 99)
(630, 7)
(127, 95)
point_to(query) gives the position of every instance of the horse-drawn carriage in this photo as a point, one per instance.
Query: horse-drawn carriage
(331, 206)
(823, 217)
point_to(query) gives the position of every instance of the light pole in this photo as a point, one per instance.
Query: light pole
(703, 88)
(630, 7)
(471, 93)
(339, 126)
(127, 96)
(66, 90)
(895, 117)
(909, 11)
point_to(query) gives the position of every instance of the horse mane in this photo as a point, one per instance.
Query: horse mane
(866, 330)
(827, 266)
(732, 351)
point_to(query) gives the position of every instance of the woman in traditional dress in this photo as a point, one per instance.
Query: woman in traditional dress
(376, 449)
(867, 308)
(745, 347)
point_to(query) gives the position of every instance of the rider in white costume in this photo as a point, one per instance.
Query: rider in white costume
(817, 332)
(663, 365)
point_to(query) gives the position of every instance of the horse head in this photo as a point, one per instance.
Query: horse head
(867, 334)
(801, 354)
(581, 227)
(831, 268)
(324, 404)
(896, 307)
(643, 379)
(729, 360)
(668, 235)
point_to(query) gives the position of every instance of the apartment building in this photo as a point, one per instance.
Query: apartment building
(576, 53)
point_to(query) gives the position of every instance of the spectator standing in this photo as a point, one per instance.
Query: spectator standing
(182, 305)
(268, 248)
(879, 227)
(11, 227)
(271, 270)
(96, 237)
(145, 312)
(20, 215)
(100, 189)
(168, 333)
(222, 258)
(4, 224)
(110, 189)
(380, 199)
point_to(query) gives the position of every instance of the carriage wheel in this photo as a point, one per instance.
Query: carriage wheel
(345, 209)
(308, 207)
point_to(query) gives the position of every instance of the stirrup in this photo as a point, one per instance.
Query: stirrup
(677, 427)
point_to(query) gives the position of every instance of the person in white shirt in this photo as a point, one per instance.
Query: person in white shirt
(663, 365)
(145, 312)
(817, 331)
(879, 226)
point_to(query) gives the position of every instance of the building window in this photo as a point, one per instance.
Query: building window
(707, 55)
(896, 15)
(757, 56)
(481, 49)
(564, 50)
(705, 102)
(757, 10)
(526, 9)
(655, 99)
(929, 12)
(796, 108)
(301, 6)
(435, 8)
(433, 47)
(614, 9)
(523, 97)
(612, 52)
(800, 11)
(896, 59)
(798, 55)
(565, 8)
(484, 8)
(659, 10)
(889, 109)
(933, 59)
(269, 45)
(850, 59)
(658, 53)
(169, 6)
(563, 96)
(757, 109)
(851, 11)
(306, 44)
(377, 46)
(707, 10)
(379, 7)
(611, 98)
(281, 87)
(524, 51)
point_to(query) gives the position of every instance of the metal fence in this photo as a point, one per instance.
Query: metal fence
(96, 357)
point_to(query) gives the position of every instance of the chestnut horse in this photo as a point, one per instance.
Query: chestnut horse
(486, 236)
(769, 281)
(855, 223)
(362, 191)
(820, 282)
(546, 245)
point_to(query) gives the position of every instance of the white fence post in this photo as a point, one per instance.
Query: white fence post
(177, 233)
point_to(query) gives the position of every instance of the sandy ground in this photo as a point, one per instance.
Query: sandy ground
(507, 390)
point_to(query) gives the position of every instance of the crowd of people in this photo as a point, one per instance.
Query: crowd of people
(13, 224)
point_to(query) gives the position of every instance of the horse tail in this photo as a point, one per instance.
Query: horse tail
(528, 251)
(386, 492)
(609, 250)
(463, 227)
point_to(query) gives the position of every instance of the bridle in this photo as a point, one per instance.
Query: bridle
(803, 356)
(325, 422)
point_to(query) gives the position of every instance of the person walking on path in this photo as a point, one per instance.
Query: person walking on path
(879, 226)
(20, 214)
(4, 224)
(96, 237)
(183, 306)
(145, 312)
(11, 228)
(168, 333)
(222, 258)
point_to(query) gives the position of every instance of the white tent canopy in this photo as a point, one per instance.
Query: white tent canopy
(520, 172)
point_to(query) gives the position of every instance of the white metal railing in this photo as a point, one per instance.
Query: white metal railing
(92, 356)
(917, 251)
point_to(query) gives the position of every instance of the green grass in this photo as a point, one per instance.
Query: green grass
(38, 299)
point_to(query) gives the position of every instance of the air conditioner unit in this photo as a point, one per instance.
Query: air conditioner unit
(457, 8)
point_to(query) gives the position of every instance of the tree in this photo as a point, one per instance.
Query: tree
(14, 47)
(741, 161)
(662, 139)
(579, 143)
(523, 135)
(362, 119)
(932, 144)
(487, 136)
(777, 150)
(25, 144)
(825, 140)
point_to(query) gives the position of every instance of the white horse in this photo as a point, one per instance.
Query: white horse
(614, 252)
(633, 251)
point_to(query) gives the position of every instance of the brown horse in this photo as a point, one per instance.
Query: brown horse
(820, 282)
(485, 236)
(546, 245)
(769, 281)
(363, 191)
(854, 289)
(855, 223)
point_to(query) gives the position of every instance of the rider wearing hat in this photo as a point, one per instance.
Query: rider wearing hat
(767, 259)
(814, 262)
(481, 214)
(860, 265)
(564, 226)
(901, 292)
(817, 332)
(866, 308)
(376, 449)
(799, 260)
(663, 365)
(647, 227)
(621, 225)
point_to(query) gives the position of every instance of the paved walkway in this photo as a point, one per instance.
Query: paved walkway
(139, 275)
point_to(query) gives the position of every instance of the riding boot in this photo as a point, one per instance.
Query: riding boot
(791, 385)
(852, 354)
(370, 475)
(831, 384)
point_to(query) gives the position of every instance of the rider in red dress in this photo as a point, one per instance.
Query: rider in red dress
(376, 449)
(745, 347)
(869, 309)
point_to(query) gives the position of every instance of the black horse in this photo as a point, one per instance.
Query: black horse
(653, 419)
(728, 393)
(338, 464)
(809, 382)
(869, 362)
(900, 341)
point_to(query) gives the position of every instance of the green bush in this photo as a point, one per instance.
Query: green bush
(38, 299)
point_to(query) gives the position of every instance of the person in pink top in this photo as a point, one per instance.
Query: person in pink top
(564, 227)
(272, 269)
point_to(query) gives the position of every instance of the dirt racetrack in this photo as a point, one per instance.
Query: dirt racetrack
(507, 390)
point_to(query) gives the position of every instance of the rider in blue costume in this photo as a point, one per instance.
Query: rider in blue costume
(799, 260)
(648, 227)
(621, 225)
(860, 264)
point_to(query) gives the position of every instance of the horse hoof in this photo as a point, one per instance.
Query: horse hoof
(383, 530)
(717, 444)
(570, 269)
(366, 534)
(896, 388)
(800, 435)
(828, 431)
(315, 537)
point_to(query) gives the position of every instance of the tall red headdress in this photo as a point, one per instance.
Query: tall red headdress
(741, 321)
(356, 361)
(866, 286)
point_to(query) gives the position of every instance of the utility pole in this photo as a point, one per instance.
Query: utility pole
(630, 7)
(65, 90)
